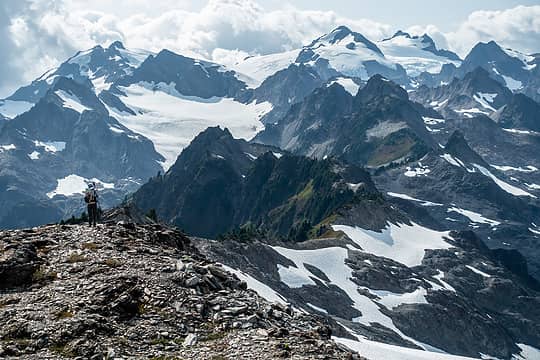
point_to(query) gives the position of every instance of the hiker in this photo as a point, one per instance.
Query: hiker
(91, 198)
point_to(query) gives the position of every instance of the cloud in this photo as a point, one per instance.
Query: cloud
(517, 28)
(39, 34)
(44, 33)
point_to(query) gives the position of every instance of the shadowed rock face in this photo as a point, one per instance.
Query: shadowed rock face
(130, 289)
(521, 112)
(191, 77)
(475, 302)
(377, 126)
(17, 266)
(219, 183)
(461, 96)
(83, 140)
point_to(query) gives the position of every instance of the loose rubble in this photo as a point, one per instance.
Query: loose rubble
(122, 291)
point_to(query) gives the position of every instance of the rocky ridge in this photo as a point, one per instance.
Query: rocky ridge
(121, 290)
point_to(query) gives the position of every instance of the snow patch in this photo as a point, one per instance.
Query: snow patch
(403, 243)
(316, 308)
(446, 286)
(432, 121)
(485, 99)
(348, 84)
(392, 300)
(51, 146)
(373, 350)
(512, 83)
(34, 155)
(171, 120)
(263, 290)
(116, 129)
(71, 101)
(475, 270)
(75, 184)
(420, 170)
(521, 132)
(452, 160)
(11, 109)
(474, 217)
(7, 147)
(527, 353)
(470, 113)
(511, 189)
(331, 261)
(410, 198)
(526, 169)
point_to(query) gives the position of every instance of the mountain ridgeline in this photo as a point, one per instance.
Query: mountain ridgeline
(389, 187)
(219, 184)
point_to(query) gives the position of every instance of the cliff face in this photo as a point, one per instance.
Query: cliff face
(125, 290)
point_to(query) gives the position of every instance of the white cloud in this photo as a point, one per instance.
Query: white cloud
(433, 31)
(46, 34)
(43, 33)
(517, 28)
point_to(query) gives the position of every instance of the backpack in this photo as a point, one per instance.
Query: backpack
(90, 196)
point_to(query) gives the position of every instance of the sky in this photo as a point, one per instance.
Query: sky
(36, 35)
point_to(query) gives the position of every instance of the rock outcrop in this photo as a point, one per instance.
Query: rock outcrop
(122, 290)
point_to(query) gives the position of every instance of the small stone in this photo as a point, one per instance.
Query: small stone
(180, 266)
(190, 340)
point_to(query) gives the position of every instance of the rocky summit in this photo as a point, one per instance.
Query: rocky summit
(126, 291)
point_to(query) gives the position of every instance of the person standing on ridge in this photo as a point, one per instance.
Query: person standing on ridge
(91, 199)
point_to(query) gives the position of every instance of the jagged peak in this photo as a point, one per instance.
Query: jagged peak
(117, 45)
(401, 33)
(214, 133)
(478, 73)
(490, 49)
(340, 33)
(427, 38)
(458, 146)
(378, 85)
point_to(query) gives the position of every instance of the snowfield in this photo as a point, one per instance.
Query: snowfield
(171, 120)
(348, 84)
(263, 290)
(474, 217)
(255, 69)
(511, 189)
(71, 101)
(7, 147)
(403, 243)
(75, 184)
(11, 109)
(51, 146)
(373, 350)
(410, 198)
(408, 53)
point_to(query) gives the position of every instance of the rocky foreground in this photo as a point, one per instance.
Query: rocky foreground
(122, 291)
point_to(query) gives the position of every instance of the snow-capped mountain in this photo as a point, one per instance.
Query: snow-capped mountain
(64, 141)
(349, 181)
(477, 93)
(375, 127)
(342, 50)
(417, 54)
(343, 251)
(517, 71)
(97, 68)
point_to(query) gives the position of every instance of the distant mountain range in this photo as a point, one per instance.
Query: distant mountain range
(387, 185)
